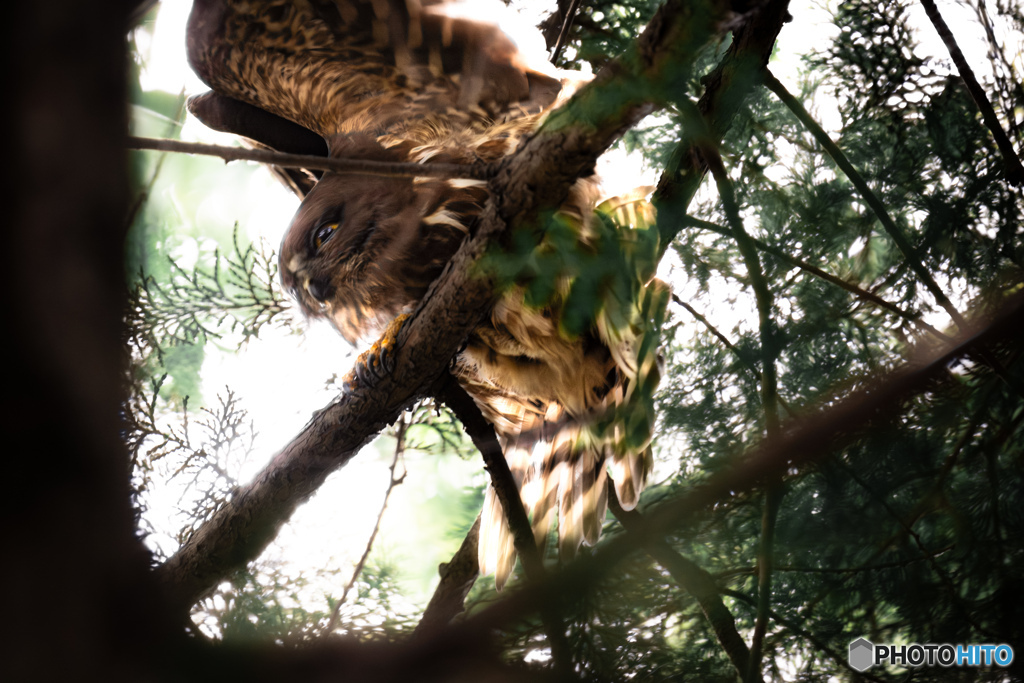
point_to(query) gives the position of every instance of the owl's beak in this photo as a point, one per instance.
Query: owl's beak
(321, 290)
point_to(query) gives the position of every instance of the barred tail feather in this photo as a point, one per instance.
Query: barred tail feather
(559, 469)
(496, 553)
(594, 502)
(629, 473)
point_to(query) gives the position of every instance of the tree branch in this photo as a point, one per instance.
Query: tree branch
(769, 398)
(895, 234)
(457, 578)
(725, 89)
(313, 162)
(484, 438)
(870, 198)
(809, 637)
(563, 33)
(1011, 162)
(694, 581)
(862, 294)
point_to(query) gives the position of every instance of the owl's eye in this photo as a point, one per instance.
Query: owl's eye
(322, 234)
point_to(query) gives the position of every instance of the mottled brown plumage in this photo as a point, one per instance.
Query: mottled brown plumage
(404, 81)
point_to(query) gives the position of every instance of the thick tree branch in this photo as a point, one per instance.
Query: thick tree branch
(535, 179)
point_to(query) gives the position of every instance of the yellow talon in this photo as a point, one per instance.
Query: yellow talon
(377, 361)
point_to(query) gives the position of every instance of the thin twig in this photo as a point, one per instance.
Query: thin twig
(333, 164)
(1012, 165)
(863, 294)
(401, 427)
(769, 402)
(563, 34)
(716, 332)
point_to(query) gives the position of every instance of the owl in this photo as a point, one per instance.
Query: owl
(425, 82)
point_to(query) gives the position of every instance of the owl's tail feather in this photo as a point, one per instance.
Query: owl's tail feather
(629, 475)
(497, 551)
(561, 471)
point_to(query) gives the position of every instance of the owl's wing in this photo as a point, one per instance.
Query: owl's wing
(262, 130)
(627, 323)
(363, 65)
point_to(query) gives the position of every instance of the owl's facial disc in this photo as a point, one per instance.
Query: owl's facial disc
(339, 257)
(362, 249)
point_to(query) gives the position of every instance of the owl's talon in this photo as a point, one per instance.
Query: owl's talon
(378, 361)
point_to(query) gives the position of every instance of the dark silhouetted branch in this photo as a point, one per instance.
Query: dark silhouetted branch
(1011, 162)
(769, 397)
(484, 438)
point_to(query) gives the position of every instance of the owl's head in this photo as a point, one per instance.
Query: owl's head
(363, 249)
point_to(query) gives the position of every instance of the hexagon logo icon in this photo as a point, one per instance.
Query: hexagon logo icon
(862, 654)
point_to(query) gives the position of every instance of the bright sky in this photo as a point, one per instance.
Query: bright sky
(281, 377)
